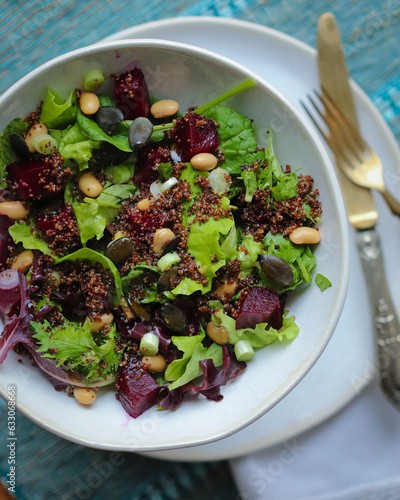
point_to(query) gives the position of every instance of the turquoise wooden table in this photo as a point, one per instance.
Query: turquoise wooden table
(36, 31)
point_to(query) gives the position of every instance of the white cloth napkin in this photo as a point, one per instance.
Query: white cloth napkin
(355, 455)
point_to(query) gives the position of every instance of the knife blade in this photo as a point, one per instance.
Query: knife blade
(362, 215)
(335, 80)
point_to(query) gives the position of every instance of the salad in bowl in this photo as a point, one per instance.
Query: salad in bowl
(147, 247)
(157, 250)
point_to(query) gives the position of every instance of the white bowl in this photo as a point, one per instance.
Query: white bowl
(193, 76)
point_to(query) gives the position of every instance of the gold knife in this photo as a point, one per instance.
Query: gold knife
(362, 214)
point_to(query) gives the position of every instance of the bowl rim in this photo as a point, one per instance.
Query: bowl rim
(339, 210)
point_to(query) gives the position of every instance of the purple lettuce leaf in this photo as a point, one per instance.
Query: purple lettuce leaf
(133, 330)
(17, 320)
(213, 379)
(5, 239)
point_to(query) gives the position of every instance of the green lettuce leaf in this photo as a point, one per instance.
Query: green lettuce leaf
(250, 182)
(22, 233)
(106, 100)
(272, 161)
(72, 135)
(187, 345)
(97, 258)
(91, 223)
(192, 368)
(57, 112)
(91, 130)
(236, 139)
(81, 152)
(300, 258)
(249, 254)
(7, 155)
(204, 245)
(286, 187)
(322, 282)
(113, 195)
(73, 344)
(261, 335)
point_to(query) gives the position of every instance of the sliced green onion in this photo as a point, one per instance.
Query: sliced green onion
(168, 260)
(93, 80)
(45, 144)
(168, 184)
(218, 180)
(244, 351)
(239, 88)
(118, 174)
(149, 344)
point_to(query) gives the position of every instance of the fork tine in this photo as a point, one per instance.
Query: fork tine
(330, 104)
(338, 120)
(314, 120)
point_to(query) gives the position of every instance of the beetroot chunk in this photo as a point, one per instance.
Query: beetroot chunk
(32, 179)
(131, 94)
(137, 389)
(260, 306)
(60, 230)
(149, 158)
(194, 134)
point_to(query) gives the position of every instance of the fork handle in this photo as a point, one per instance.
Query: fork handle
(387, 328)
(393, 204)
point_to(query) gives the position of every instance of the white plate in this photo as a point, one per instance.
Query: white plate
(347, 364)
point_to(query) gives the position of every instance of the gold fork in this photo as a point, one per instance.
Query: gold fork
(353, 155)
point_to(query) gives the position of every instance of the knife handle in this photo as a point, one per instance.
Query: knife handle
(387, 327)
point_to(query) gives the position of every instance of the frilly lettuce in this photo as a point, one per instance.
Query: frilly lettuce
(73, 344)
(57, 112)
(192, 369)
(81, 152)
(187, 345)
(261, 335)
(204, 244)
(22, 233)
(91, 223)
(300, 258)
(249, 256)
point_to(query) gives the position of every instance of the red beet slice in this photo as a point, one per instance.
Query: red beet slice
(60, 229)
(261, 305)
(149, 158)
(194, 134)
(131, 94)
(143, 223)
(32, 179)
(137, 391)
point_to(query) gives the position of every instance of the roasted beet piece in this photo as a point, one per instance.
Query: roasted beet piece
(34, 178)
(261, 305)
(131, 94)
(194, 134)
(31, 178)
(137, 389)
(61, 230)
(143, 223)
(149, 158)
